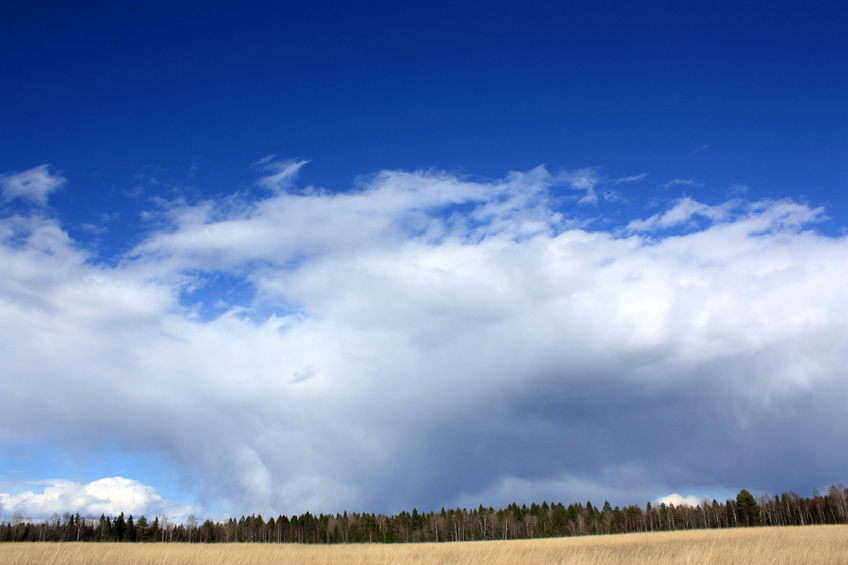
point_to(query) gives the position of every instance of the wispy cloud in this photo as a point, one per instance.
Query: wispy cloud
(583, 180)
(281, 173)
(681, 182)
(634, 178)
(738, 190)
(681, 213)
(754, 217)
(33, 185)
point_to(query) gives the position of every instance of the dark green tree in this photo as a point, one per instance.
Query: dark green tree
(143, 528)
(154, 529)
(104, 528)
(747, 508)
(129, 530)
(118, 528)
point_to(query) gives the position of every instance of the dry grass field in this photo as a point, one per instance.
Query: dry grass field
(809, 545)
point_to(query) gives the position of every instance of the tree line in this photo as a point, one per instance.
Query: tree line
(460, 524)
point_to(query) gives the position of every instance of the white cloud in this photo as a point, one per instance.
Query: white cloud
(33, 185)
(681, 182)
(633, 178)
(582, 179)
(680, 500)
(682, 212)
(751, 217)
(426, 336)
(282, 173)
(613, 196)
(109, 496)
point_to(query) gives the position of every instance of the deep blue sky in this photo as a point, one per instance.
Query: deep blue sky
(419, 315)
(724, 93)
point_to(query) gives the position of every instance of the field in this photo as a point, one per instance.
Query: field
(809, 545)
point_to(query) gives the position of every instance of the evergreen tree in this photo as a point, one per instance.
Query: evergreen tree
(143, 528)
(118, 528)
(129, 533)
(747, 508)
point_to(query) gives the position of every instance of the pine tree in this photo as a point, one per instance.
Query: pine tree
(747, 508)
(118, 528)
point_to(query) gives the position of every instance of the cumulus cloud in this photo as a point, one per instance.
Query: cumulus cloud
(109, 496)
(427, 339)
(33, 185)
(680, 500)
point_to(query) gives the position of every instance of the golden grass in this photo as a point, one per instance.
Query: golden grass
(808, 545)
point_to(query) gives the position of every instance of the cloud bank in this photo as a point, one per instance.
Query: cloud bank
(110, 496)
(426, 340)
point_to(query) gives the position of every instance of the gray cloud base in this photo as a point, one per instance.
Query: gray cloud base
(431, 341)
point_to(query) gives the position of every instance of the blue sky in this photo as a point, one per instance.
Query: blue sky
(275, 257)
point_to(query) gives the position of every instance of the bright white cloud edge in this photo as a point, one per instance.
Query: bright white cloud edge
(110, 496)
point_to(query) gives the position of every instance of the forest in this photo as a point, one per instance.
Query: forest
(510, 523)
